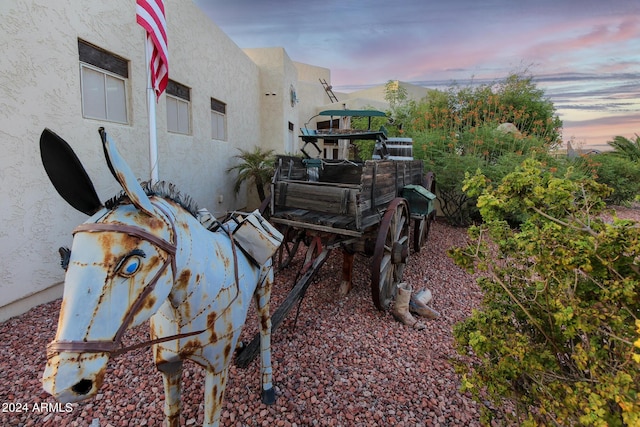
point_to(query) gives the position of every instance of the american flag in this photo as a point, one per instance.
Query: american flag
(150, 14)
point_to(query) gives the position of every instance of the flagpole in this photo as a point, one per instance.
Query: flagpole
(150, 14)
(151, 108)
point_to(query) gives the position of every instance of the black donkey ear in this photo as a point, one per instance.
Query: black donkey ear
(67, 174)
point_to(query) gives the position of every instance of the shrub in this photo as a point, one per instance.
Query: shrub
(455, 131)
(618, 172)
(554, 337)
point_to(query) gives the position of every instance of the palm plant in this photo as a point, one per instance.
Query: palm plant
(627, 148)
(256, 166)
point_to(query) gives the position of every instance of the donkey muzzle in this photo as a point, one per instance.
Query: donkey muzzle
(72, 377)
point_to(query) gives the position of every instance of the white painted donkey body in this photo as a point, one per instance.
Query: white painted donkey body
(149, 257)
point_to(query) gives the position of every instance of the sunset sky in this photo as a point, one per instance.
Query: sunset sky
(585, 54)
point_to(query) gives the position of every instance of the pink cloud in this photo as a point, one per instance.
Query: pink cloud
(597, 132)
(582, 39)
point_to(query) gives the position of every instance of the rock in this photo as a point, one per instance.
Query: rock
(508, 128)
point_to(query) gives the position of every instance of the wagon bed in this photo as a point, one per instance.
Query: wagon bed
(348, 198)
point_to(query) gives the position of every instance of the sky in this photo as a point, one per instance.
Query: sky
(584, 54)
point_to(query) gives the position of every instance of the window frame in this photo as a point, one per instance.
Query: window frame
(181, 95)
(219, 113)
(109, 66)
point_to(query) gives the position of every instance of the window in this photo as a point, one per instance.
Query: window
(290, 140)
(178, 108)
(103, 82)
(218, 120)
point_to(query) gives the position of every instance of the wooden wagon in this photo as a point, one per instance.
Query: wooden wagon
(360, 207)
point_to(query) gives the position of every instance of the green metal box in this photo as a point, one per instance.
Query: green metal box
(421, 200)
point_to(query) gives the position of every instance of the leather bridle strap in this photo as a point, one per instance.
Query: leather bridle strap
(114, 346)
(110, 346)
(131, 230)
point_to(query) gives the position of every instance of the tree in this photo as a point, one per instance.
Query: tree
(256, 166)
(626, 148)
(399, 104)
(457, 130)
(556, 336)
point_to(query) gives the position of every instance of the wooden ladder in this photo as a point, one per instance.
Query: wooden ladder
(327, 88)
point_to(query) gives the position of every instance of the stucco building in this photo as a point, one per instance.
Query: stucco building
(75, 66)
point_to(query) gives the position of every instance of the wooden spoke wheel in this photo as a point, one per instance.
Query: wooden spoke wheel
(390, 254)
(289, 247)
(421, 227)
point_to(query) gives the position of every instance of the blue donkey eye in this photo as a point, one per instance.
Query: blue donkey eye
(130, 264)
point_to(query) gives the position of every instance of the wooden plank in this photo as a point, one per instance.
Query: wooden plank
(316, 204)
(344, 201)
(372, 220)
(328, 199)
(289, 167)
(354, 200)
(383, 201)
(280, 193)
(317, 227)
(342, 205)
(322, 184)
(341, 173)
(329, 192)
(374, 175)
(101, 58)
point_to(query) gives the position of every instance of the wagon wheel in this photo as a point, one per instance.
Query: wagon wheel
(390, 254)
(421, 227)
(289, 247)
(264, 208)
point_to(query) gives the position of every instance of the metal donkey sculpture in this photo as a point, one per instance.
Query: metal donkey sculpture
(142, 256)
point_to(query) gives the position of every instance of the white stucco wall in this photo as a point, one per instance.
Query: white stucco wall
(277, 75)
(40, 87)
(312, 95)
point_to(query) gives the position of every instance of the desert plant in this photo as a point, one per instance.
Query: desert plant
(554, 337)
(458, 129)
(256, 166)
(626, 148)
(617, 171)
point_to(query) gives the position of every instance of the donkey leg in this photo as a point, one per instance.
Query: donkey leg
(214, 385)
(171, 376)
(262, 296)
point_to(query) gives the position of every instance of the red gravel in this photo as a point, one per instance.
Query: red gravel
(343, 364)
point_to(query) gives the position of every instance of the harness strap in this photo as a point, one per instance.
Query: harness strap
(111, 347)
(114, 347)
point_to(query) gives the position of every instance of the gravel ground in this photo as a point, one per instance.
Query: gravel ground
(343, 363)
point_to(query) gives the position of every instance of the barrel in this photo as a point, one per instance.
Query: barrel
(400, 148)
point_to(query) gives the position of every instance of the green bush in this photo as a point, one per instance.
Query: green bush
(554, 337)
(619, 173)
(456, 131)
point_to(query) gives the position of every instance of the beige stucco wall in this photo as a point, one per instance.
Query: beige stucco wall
(312, 94)
(40, 87)
(277, 75)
